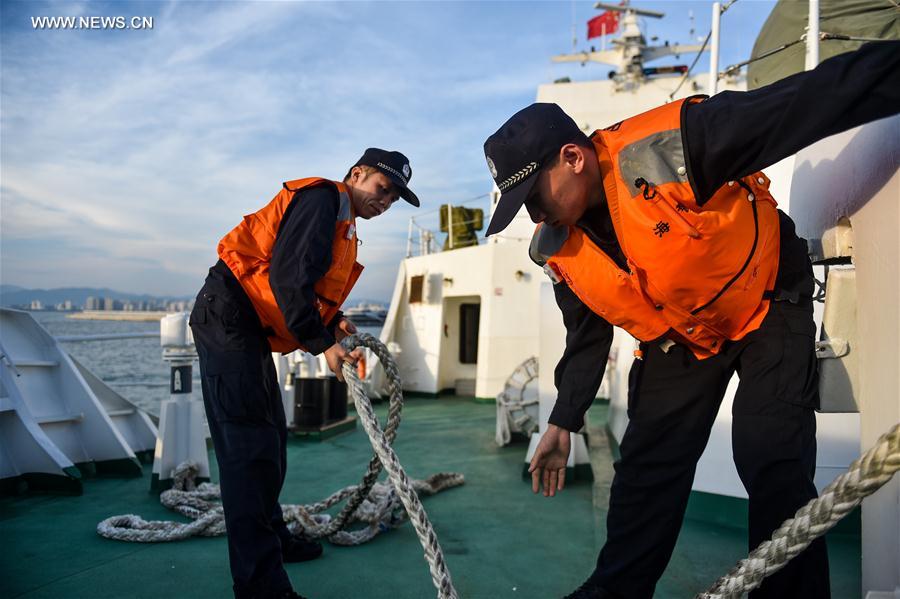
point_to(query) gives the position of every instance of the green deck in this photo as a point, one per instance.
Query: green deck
(498, 538)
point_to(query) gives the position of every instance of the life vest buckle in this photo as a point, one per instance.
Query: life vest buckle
(647, 188)
(551, 272)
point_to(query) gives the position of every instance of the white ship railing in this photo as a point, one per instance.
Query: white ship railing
(108, 336)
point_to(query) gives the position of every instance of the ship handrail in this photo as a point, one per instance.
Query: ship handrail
(414, 227)
(108, 336)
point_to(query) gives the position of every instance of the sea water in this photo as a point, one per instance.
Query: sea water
(132, 367)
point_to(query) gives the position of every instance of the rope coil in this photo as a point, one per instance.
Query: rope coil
(379, 505)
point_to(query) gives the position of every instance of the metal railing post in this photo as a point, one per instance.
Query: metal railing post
(812, 36)
(714, 49)
(409, 238)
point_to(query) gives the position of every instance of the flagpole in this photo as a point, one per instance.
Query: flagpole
(574, 35)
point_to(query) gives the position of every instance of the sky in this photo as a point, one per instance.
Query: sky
(125, 155)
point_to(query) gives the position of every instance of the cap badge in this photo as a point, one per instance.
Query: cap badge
(491, 167)
(406, 171)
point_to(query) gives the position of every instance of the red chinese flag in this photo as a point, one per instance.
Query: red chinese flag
(603, 24)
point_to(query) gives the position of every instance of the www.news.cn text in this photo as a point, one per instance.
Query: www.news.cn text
(93, 22)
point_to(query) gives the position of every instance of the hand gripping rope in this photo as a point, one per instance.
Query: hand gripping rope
(865, 476)
(380, 506)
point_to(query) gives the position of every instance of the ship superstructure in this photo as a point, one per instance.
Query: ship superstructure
(430, 331)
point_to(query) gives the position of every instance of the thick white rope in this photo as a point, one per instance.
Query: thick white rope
(380, 506)
(865, 476)
(440, 575)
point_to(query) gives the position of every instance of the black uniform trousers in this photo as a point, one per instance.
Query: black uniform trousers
(672, 404)
(247, 424)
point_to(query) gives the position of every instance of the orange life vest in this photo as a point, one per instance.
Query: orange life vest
(696, 274)
(247, 250)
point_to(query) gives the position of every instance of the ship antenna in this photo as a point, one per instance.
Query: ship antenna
(630, 50)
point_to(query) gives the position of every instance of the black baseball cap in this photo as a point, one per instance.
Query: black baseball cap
(393, 164)
(515, 154)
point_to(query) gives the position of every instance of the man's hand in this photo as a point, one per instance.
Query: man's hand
(549, 462)
(336, 355)
(344, 328)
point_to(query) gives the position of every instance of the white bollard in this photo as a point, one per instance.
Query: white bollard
(182, 428)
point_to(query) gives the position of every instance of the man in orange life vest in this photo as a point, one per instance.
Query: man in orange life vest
(663, 224)
(281, 278)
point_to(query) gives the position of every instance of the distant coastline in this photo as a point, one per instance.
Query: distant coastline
(133, 315)
(68, 299)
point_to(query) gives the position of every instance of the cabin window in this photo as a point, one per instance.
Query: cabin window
(469, 315)
(416, 284)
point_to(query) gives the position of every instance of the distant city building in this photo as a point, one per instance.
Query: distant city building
(177, 306)
(36, 305)
(92, 303)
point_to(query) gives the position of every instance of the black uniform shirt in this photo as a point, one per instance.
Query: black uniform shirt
(301, 256)
(729, 136)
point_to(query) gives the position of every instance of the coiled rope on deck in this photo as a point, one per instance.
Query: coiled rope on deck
(381, 506)
(865, 476)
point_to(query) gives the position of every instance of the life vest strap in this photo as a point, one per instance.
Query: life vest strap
(782, 295)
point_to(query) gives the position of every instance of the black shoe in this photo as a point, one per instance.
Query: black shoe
(589, 590)
(298, 549)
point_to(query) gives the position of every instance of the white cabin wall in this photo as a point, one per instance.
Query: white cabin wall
(855, 174)
(419, 327)
(509, 315)
(449, 367)
(780, 175)
(418, 367)
(594, 105)
(879, 332)
(390, 329)
(416, 331)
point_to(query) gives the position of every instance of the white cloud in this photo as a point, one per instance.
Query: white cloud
(134, 152)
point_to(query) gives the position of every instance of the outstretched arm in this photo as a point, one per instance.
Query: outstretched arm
(580, 370)
(578, 375)
(734, 134)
